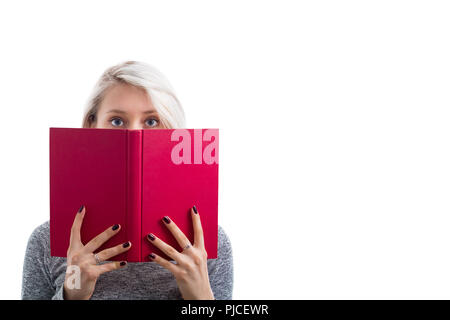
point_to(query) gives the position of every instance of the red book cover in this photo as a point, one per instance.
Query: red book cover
(133, 178)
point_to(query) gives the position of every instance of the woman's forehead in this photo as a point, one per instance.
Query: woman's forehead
(124, 98)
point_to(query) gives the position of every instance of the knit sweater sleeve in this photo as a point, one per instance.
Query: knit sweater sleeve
(36, 278)
(220, 270)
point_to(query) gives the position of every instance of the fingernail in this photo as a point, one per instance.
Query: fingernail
(123, 263)
(151, 236)
(126, 244)
(81, 208)
(115, 227)
(166, 219)
(195, 209)
(151, 256)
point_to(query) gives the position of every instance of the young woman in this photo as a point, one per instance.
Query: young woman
(131, 95)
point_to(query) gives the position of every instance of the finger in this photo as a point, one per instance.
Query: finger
(114, 251)
(176, 232)
(167, 249)
(198, 229)
(110, 266)
(75, 232)
(100, 239)
(163, 262)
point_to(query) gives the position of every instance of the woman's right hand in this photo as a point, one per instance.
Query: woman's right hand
(81, 258)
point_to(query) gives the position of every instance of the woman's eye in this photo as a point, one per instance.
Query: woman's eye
(152, 122)
(116, 122)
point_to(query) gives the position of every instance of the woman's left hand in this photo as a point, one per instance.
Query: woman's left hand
(191, 270)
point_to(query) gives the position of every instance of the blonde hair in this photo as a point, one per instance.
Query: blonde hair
(141, 75)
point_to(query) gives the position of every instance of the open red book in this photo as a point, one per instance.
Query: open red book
(133, 178)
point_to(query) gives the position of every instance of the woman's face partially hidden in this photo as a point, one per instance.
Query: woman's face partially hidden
(127, 107)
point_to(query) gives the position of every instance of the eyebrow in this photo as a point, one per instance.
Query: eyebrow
(121, 111)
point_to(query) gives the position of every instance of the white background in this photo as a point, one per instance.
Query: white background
(334, 119)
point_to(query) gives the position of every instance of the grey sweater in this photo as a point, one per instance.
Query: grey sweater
(43, 275)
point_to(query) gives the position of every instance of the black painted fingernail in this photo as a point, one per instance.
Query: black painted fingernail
(151, 256)
(151, 236)
(123, 263)
(81, 208)
(115, 227)
(126, 244)
(166, 219)
(195, 209)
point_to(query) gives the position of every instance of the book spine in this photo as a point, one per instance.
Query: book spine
(134, 177)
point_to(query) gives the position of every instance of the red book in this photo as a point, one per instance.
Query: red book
(133, 178)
